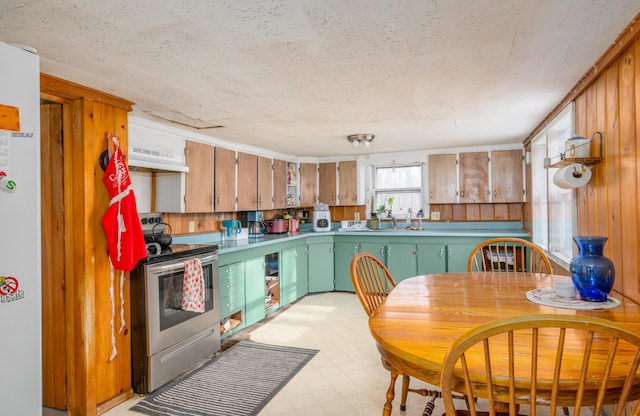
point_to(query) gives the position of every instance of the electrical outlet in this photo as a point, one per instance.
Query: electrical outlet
(192, 226)
(435, 216)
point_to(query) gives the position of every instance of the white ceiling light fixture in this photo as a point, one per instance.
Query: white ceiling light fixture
(356, 139)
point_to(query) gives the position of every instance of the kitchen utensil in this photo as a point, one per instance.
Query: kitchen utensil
(159, 236)
(277, 226)
(321, 218)
(257, 228)
(294, 225)
(233, 227)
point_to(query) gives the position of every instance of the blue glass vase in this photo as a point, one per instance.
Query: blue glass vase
(591, 272)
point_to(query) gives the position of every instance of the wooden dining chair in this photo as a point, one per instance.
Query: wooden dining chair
(372, 282)
(550, 361)
(508, 255)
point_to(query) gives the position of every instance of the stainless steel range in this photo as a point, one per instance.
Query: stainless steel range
(166, 340)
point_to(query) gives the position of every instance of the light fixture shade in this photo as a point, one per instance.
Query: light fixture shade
(356, 139)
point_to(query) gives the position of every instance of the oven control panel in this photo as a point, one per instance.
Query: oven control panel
(149, 220)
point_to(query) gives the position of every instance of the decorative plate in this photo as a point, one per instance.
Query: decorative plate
(546, 296)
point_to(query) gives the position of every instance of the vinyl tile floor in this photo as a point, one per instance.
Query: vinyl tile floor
(344, 378)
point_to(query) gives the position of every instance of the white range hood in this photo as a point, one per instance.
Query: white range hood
(156, 160)
(155, 147)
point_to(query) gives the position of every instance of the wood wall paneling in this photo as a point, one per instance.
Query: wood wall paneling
(628, 170)
(54, 358)
(607, 205)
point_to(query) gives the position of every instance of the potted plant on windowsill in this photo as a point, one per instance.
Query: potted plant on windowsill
(382, 211)
(390, 202)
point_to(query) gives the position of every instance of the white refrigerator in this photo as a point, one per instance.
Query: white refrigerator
(20, 232)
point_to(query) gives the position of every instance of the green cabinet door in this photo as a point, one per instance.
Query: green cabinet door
(255, 289)
(401, 260)
(302, 271)
(321, 263)
(432, 258)
(288, 266)
(458, 256)
(376, 248)
(344, 252)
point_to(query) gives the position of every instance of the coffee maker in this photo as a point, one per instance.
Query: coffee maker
(254, 221)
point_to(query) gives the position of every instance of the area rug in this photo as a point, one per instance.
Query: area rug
(240, 381)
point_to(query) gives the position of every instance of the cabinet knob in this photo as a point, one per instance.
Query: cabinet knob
(441, 253)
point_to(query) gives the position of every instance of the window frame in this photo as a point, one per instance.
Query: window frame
(419, 190)
(546, 193)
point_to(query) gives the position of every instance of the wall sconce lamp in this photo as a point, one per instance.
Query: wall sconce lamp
(356, 139)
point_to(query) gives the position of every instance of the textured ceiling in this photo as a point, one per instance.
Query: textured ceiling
(298, 76)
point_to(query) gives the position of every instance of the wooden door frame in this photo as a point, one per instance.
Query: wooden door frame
(79, 150)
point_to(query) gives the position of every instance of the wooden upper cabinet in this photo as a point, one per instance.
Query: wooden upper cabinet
(474, 177)
(225, 179)
(348, 183)
(308, 184)
(265, 183)
(199, 180)
(279, 184)
(327, 183)
(507, 176)
(442, 179)
(247, 182)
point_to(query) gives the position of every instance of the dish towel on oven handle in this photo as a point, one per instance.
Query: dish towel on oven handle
(193, 291)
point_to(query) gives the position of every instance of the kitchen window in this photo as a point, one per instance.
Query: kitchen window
(553, 208)
(403, 184)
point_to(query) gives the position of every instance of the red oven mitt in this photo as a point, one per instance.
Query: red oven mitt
(121, 223)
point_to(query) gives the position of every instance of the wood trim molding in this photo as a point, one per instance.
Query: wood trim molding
(56, 87)
(629, 35)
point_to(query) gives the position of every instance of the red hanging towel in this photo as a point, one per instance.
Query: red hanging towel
(121, 223)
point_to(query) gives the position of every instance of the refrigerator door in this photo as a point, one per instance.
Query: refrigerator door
(20, 250)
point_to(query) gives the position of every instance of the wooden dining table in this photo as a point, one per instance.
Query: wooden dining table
(423, 315)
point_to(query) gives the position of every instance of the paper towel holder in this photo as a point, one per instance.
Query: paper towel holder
(563, 160)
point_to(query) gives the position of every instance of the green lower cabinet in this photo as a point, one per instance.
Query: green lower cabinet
(255, 290)
(458, 256)
(232, 298)
(288, 266)
(321, 267)
(294, 274)
(344, 252)
(401, 260)
(376, 248)
(432, 258)
(302, 271)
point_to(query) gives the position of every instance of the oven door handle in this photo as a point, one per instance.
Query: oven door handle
(181, 264)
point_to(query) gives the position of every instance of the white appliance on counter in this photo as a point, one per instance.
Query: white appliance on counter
(20, 249)
(321, 218)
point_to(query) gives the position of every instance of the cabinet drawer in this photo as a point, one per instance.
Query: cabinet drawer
(231, 303)
(232, 269)
(230, 286)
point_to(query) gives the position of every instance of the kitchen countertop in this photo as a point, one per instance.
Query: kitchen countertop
(458, 229)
